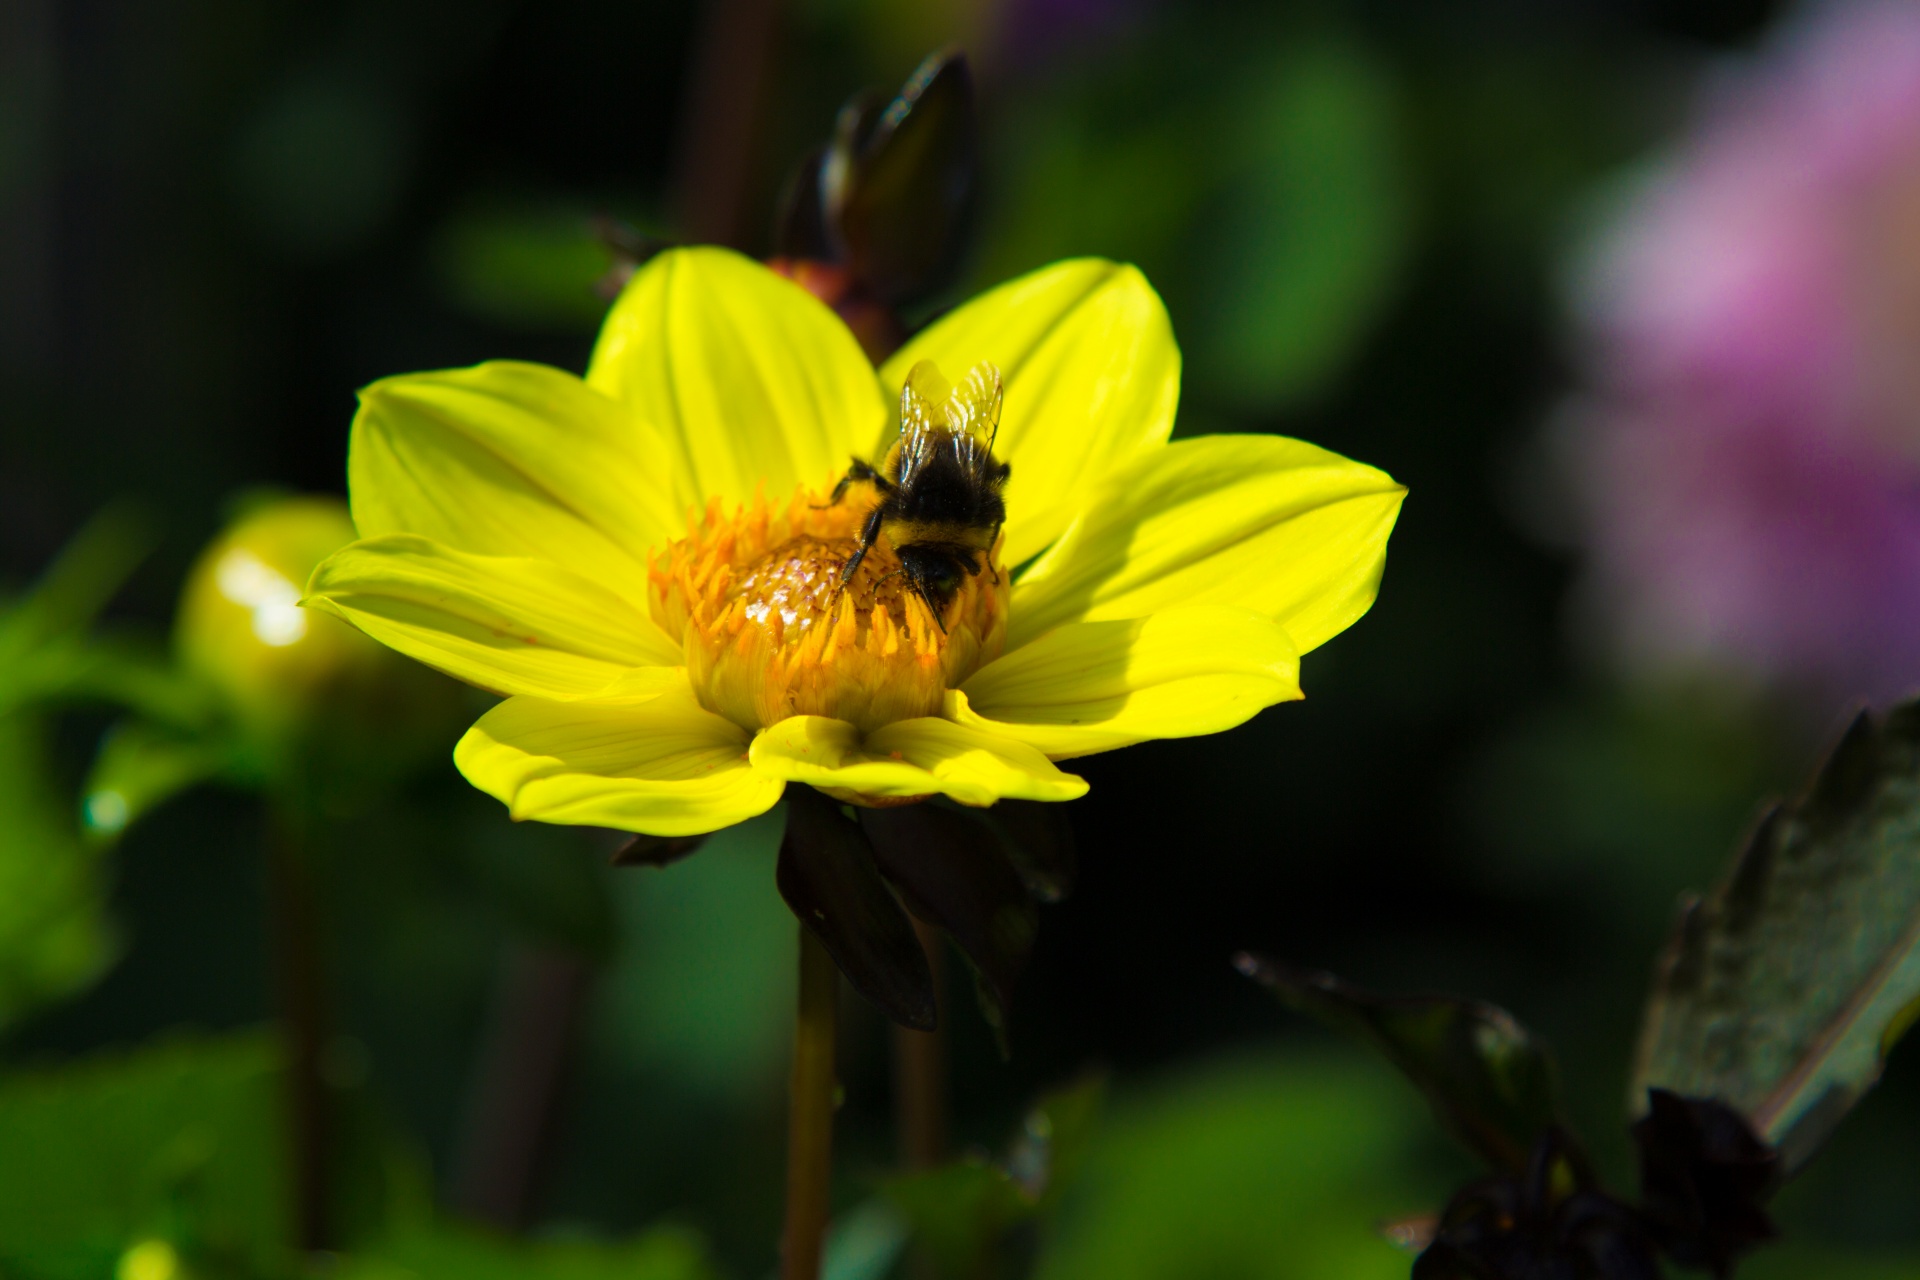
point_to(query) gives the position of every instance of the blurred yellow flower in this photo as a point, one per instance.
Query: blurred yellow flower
(642, 563)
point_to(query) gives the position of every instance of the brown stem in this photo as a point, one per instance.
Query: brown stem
(721, 116)
(294, 924)
(920, 1077)
(810, 1122)
(516, 1095)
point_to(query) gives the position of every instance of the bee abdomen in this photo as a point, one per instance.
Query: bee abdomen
(950, 533)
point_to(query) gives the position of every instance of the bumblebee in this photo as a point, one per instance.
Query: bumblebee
(939, 485)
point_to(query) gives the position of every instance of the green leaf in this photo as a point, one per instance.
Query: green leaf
(1268, 1168)
(1798, 1262)
(182, 1142)
(141, 766)
(1782, 991)
(179, 1139)
(71, 592)
(1490, 1082)
(864, 1243)
(1265, 196)
(526, 267)
(961, 1213)
(54, 935)
(446, 1252)
(45, 649)
(1312, 227)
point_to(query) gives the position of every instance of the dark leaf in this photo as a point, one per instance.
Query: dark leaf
(1704, 1176)
(900, 181)
(1490, 1082)
(953, 872)
(656, 851)
(1780, 994)
(826, 874)
(1551, 1222)
(1040, 843)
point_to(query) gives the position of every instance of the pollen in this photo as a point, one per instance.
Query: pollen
(768, 631)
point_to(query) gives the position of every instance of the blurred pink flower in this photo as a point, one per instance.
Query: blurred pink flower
(1748, 448)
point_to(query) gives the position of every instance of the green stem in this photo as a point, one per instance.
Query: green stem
(810, 1122)
(295, 925)
(920, 1078)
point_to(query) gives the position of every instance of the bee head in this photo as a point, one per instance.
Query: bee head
(936, 572)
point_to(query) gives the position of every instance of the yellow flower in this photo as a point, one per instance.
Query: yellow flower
(645, 562)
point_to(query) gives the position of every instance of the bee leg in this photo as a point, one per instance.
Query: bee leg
(868, 533)
(860, 470)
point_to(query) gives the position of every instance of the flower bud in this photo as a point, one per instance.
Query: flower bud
(292, 680)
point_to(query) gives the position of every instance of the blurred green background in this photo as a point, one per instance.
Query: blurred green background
(217, 219)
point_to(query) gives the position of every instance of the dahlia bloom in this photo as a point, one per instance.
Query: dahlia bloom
(646, 564)
(1749, 450)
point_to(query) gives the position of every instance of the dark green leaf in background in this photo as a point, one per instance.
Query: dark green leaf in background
(1782, 991)
(179, 1138)
(54, 934)
(1490, 1082)
(141, 766)
(1313, 224)
(180, 1141)
(447, 1252)
(1266, 199)
(962, 1213)
(1269, 1168)
(524, 266)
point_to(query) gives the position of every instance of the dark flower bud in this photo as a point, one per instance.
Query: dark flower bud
(1704, 1176)
(891, 198)
(1553, 1223)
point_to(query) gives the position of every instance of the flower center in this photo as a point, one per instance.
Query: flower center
(768, 632)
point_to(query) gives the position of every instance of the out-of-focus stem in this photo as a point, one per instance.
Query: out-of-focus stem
(810, 1121)
(294, 926)
(517, 1090)
(920, 1077)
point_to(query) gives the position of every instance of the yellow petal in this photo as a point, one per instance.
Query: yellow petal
(1258, 522)
(1094, 686)
(751, 378)
(1091, 376)
(509, 624)
(654, 762)
(922, 757)
(510, 459)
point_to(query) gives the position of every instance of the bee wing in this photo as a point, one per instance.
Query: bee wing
(973, 414)
(923, 418)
